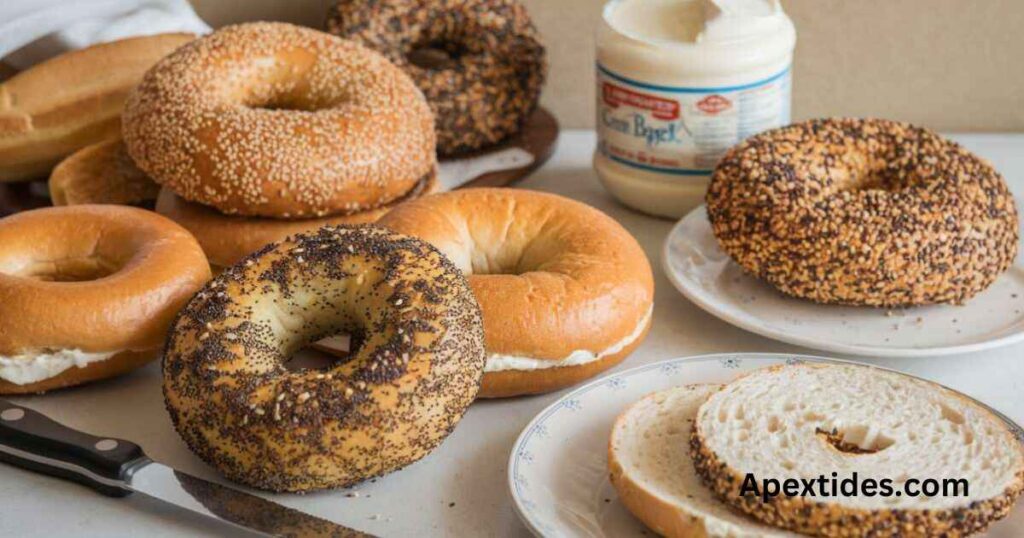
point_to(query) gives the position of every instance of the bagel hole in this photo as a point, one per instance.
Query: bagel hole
(435, 56)
(281, 82)
(871, 181)
(872, 175)
(70, 270)
(855, 439)
(325, 353)
(282, 106)
(282, 101)
(507, 259)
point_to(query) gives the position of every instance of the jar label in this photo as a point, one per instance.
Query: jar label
(680, 130)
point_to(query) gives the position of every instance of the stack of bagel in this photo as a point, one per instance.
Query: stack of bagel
(69, 107)
(244, 137)
(263, 130)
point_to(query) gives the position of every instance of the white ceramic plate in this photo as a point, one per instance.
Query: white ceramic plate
(558, 471)
(707, 276)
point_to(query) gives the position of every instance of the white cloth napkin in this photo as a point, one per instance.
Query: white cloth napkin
(34, 30)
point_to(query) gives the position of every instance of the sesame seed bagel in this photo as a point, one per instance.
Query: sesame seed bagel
(565, 291)
(479, 62)
(101, 173)
(863, 212)
(402, 392)
(88, 292)
(226, 239)
(275, 120)
(70, 101)
(841, 421)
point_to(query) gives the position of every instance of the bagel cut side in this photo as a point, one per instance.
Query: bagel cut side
(649, 465)
(811, 420)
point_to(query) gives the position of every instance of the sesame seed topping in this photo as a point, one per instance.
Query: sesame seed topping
(277, 120)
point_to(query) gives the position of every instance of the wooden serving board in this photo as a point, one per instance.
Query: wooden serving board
(538, 139)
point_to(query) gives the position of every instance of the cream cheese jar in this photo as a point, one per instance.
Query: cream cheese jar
(679, 82)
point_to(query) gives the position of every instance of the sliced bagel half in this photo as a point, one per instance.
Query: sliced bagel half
(650, 466)
(809, 420)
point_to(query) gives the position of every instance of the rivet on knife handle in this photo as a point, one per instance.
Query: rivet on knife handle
(30, 440)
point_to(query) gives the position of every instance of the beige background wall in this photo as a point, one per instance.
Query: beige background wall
(954, 65)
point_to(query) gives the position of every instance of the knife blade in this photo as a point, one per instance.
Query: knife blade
(116, 468)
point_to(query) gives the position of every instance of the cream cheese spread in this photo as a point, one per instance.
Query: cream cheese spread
(679, 82)
(497, 362)
(34, 367)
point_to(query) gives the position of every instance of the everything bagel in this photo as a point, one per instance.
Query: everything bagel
(88, 292)
(241, 410)
(275, 120)
(863, 212)
(479, 63)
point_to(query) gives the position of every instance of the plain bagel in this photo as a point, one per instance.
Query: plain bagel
(226, 239)
(280, 121)
(402, 392)
(102, 173)
(88, 292)
(70, 101)
(566, 292)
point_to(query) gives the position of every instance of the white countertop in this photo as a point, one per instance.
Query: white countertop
(460, 489)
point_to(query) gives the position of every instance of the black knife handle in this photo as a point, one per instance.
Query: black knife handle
(31, 440)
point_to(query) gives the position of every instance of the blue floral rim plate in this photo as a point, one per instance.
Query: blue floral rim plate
(557, 472)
